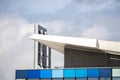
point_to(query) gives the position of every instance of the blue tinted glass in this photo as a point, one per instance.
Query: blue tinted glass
(81, 72)
(57, 73)
(69, 73)
(34, 74)
(21, 74)
(46, 73)
(105, 72)
(93, 72)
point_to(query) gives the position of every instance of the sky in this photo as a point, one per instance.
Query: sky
(97, 19)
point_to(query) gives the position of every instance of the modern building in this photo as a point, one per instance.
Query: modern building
(84, 59)
(82, 52)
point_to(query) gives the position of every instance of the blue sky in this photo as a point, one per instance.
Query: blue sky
(98, 19)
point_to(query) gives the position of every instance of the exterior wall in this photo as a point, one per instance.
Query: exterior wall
(78, 58)
(114, 60)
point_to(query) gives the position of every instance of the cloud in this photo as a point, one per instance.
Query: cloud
(84, 6)
(34, 6)
(97, 32)
(16, 47)
(12, 28)
(56, 26)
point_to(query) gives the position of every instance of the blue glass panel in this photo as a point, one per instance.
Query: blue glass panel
(57, 73)
(69, 73)
(105, 72)
(81, 72)
(34, 74)
(93, 72)
(46, 73)
(21, 74)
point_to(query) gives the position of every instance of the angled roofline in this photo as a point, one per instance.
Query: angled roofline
(60, 42)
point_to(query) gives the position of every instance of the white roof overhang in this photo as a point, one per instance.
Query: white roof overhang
(60, 42)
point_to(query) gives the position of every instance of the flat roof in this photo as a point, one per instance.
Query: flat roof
(60, 42)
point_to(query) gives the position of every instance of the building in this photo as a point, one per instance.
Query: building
(81, 52)
(85, 59)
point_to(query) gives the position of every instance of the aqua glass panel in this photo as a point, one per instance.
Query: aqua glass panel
(81, 73)
(105, 72)
(46, 73)
(69, 73)
(116, 72)
(93, 72)
(33, 74)
(57, 73)
(21, 74)
(105, 78)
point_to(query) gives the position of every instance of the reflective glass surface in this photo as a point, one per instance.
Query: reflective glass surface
(69, 73)
(46, 73)
(93, 72)
(57, 73)
(105, 72)
(81, 73)
(33, 74)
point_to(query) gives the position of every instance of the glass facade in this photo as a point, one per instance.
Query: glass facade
(69, 74)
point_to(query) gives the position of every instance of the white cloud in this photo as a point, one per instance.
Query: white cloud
(16, 49)
(97, 5)
(56, 26)
(36, 6)
(13, 28)
(97, 32)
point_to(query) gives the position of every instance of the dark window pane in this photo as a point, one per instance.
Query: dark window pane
(93, 78)
(105, 78)
(69, 78)
(81, 78)
(57, 78)
(33, 79)
(116, 78)
(45, 79)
